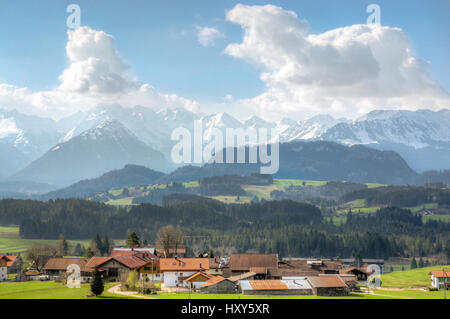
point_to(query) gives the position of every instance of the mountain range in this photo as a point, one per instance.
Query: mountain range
(88, 144)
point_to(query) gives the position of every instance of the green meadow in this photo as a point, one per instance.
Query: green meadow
(10, 242)
(415, 278)
(51, 290)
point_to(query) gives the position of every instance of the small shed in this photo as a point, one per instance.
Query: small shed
(331, 285)
(275, 287)
(218, 285)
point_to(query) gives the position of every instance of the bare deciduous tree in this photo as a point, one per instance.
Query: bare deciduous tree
(169, 238)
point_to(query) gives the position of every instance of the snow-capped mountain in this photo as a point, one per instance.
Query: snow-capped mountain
(24, 138)
(417, 129)
(105, 147)
(421, 137)
(312, 128)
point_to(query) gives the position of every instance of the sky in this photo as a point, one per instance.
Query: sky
(267, 58)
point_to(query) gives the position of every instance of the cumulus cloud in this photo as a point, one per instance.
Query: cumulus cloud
(349, 70)
(96, 75)
(206, 36)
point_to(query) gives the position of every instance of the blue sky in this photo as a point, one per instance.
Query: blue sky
(158, 40)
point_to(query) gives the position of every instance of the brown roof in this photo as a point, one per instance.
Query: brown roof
(134, 261)
(327, 282)
(94, 262)
(242, 276)
(214, 280)
(259, 270)
(10, 260)
(199, 275)
(179, 264)
(311, 268)
(63, 263)
(440, 273)
(243, 262)
(352, 270)
(268, 285)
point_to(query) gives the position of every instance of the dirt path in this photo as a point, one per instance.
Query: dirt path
(134, 294)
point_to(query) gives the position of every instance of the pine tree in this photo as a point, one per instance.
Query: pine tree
(133, 240)
(421, 263)
(413, 263)
(106, 246)
(97, 283)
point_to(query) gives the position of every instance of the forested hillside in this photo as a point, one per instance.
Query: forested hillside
(284, 227)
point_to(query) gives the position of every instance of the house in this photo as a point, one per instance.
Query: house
(11, 265)
(198, 279)
(218, 285)
(331, 285)
(308, 267)
(14, 264)
(440, 279)
(177, 270)
(360, 274)
(264, 266)
(276, 287)
(56, 267)
(3, 267)
(147, 265)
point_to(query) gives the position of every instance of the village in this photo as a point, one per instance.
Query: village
(152, 270)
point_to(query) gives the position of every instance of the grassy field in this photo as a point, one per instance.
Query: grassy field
(232, 199)
(10, 242)
(415, 278)
(411, 293)
(50, 290)
(240, 296)
(127, 201)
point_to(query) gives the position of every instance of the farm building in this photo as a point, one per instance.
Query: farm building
(218, 285)
(145, 264)
(363, 263)
(350, 280)
(56, 267)
(245, 276)
(360, 274)
(264, 266)
(276, 287)
(440, 279)
(328, 286)
(308, 267)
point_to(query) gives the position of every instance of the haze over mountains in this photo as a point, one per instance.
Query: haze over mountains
(86, 145)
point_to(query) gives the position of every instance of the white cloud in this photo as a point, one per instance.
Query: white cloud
(206, 36)
(96, 75)
(346, 71)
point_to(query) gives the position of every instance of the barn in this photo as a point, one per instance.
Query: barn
(218, 285)
(328, 286)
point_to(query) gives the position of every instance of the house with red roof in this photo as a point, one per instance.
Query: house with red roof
(440, 279)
